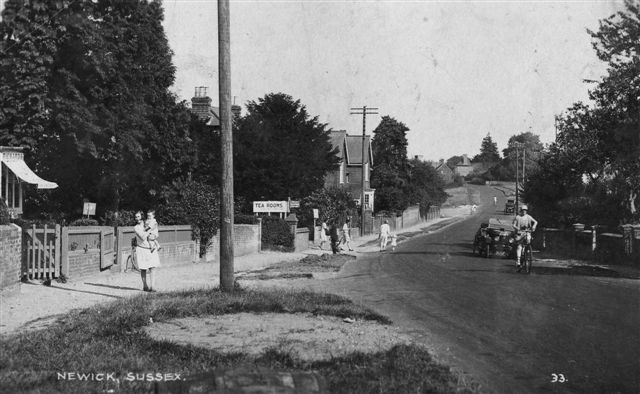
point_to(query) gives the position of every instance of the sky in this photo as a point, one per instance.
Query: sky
(451, 71)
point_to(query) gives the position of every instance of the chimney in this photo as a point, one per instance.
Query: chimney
(235, 110)
(201, 103)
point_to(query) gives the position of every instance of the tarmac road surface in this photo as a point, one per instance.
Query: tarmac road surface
(555, 330)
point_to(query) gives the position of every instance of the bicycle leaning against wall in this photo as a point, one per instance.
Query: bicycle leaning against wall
(132, 264)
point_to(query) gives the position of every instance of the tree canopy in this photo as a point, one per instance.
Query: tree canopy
(592, 172)
(281, 151)
(84, 87)
(488, 151)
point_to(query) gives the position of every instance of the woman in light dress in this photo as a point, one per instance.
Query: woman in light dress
(147, 261)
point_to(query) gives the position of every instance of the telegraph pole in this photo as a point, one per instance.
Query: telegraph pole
(226, 203)
(364, 111)
(517, 146)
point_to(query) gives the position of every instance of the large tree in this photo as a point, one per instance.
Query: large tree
(95, 111)
(488, 151)
(389, 175)
(280, 150)
(592, 174)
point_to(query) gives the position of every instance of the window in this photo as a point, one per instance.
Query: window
(347, 177)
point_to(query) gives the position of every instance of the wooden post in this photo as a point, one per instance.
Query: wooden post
(56, 252)
(64, 251)
(226, 206)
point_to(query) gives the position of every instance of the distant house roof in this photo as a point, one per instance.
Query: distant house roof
(211, 115)
(442, 166)
(465, 161)
(354, 149)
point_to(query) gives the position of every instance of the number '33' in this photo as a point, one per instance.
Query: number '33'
(558, 378)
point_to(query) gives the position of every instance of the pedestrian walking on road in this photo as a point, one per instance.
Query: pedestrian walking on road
(147, 261)
(346, 238)
(495, 201)
(335, 238)
(385, 231)
(324, 233)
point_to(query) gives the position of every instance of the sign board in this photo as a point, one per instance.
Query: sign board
(316, 214)
(89, 208)
(270, 206)
(294, 204)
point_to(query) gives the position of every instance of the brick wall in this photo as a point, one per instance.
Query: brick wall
(10, 258)
(301, 242)
(247, 240)
(83, 263)
(177, 247)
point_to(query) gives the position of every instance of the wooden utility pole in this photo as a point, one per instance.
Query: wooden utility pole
(364, 111)
(226, 203)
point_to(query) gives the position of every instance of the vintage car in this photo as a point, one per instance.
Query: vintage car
(510, 206)
(492, 238)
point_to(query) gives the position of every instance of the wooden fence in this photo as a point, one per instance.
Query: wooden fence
(592, 244)
(41, 252)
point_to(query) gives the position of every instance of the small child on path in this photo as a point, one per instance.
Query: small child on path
(394, 242)
(151, 225)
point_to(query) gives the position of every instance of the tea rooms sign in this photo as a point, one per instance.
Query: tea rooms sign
(270, 206)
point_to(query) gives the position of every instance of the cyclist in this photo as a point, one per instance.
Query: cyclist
(521, 224)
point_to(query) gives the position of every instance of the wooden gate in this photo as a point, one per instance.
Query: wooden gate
(41, 251)
(107, 248)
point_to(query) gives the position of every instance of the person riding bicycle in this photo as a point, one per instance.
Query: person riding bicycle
(521, 224)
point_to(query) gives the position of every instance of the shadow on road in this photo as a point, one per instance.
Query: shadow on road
(583, 270)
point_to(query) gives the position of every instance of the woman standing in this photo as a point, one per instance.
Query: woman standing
(147, 261)
(324, 232)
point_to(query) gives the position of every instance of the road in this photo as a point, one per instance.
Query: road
(511, 332)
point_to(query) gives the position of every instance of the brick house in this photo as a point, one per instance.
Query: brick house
(349, 174)
(464, 167)
(14, 174)
(201, 106)
(445, 172)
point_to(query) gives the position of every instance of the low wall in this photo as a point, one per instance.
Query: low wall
(10, 258)
(247, 239)
(176, 245)
(301, 241)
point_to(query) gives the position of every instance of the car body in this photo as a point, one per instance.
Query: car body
(510, 206)
(492, 238)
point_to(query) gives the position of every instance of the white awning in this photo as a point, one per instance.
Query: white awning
(22, 171)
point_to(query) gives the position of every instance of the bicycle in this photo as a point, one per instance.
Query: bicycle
(132, 263)
(526, 255)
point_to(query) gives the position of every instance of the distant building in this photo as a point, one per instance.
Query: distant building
(201, 106)
(464, 167)
(349, 174)
(14, 174)
(445, 172)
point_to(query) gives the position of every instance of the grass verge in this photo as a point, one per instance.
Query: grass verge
(109, 339)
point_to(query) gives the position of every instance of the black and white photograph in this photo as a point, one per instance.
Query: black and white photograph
(320, 196)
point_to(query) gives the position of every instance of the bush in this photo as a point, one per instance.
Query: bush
(84, 222)
(458, 181)
(245, 219)
(123, 218)
(5, 218)
(276, 233)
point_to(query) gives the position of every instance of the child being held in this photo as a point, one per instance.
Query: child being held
(151, 225)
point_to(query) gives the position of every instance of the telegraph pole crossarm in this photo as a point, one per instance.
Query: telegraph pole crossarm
(364, 111)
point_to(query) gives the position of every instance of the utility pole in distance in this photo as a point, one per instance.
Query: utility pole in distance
(364, 111)
(226, 203)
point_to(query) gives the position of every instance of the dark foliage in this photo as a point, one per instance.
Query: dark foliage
(276, 233)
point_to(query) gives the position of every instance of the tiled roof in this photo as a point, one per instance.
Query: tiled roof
(337, 140)
(354, 149)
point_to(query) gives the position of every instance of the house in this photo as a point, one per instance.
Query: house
(464, 167)
(14, 174)
(445, 172)
(201, 106)
(349, 174)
